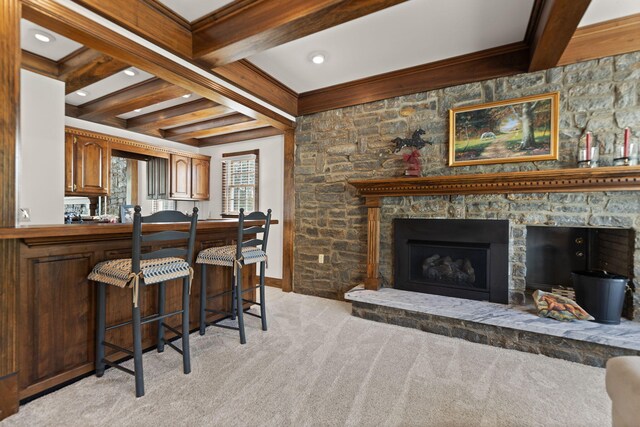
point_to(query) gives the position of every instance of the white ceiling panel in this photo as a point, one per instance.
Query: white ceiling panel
(604, 10)
(411, 33)
(159, 106)
(106, 86)
(54, 50)
(194, 9)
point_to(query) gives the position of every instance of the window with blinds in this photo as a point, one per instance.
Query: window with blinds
(158, 205)
(239, 182)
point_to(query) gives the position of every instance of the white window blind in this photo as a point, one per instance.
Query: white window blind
(239, 183)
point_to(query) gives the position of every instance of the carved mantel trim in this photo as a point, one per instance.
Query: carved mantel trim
(614, 178)
(620, 178)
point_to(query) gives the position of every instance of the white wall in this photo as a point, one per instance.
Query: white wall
(271, 189)
(41, 151)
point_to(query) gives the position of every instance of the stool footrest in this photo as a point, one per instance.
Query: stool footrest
(223, 326)
(117, 347)
(252, 302)
(210, 310)
(220, 294)
(117, 366)
(259, 316)
(175, 331)
(173, 346)
(156, 317)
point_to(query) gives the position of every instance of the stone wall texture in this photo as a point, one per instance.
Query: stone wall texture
(118, 185)
(333, 147)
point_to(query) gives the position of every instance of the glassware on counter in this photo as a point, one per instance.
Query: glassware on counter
(626, 153)
(588, 152)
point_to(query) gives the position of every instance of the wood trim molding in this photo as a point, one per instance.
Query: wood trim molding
(487, 64)
(557, 22)
(10, 59)
(273, 282)
(266, 24)
(124, 144)
(246, 135)
(608, 38)
(289, 211)
(257, 82)
(544, 181)
(39, 64)
(66, 22)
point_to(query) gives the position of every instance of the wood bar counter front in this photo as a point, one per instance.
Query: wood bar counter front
(57, 304)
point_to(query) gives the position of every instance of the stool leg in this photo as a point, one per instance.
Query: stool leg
(263, 313)
(234, 296)
(161, 299)
(239, 310)
(100, 329)
(203, 299)
(186, 356)
(137, 350)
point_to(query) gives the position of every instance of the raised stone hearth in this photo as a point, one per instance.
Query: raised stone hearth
(508, 326)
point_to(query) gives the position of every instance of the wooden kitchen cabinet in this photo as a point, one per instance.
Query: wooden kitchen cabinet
(200, 179)
(189, 178)
(87, 162)
(180, 177)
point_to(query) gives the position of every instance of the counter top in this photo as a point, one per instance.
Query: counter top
(105, 229)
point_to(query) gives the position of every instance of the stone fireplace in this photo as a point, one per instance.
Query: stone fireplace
(456, 257)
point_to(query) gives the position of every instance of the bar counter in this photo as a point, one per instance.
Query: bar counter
(56, 302)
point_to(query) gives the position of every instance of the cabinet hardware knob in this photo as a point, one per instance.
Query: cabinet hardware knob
(579, 240)
(579, 254)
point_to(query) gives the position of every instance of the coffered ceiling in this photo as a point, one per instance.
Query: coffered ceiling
(373, 49)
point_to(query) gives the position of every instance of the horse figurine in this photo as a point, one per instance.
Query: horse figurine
(415, 141)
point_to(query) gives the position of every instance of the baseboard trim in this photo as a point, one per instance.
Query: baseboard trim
(273, 282)
(9, 401)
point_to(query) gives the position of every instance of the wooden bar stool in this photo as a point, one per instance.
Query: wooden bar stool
(242, 253)
(143, 270)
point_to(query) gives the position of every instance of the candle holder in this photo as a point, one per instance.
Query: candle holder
(588, 153)
(626, 154)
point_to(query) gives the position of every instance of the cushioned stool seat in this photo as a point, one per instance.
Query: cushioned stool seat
(226, 255)
(117, 272)
(623, 387)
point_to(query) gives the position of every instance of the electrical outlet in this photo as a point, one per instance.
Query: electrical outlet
(25, 215)
(321, 259)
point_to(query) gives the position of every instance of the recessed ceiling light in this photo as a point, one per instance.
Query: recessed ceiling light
(137, 110)
(318, 57)
(130, 72)
(188, 95)
(43, 36)
(82, 93)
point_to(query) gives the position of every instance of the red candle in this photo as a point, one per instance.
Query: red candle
(588, 157)
(626, 142)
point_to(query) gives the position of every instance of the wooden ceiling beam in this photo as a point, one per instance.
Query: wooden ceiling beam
(556, 24)
(246, 135)
(39, 64)
(474, 67)
(255, 81)
(209, 127)
(205, 133)
(145, 19)
(75, 25)
(182, 114)
(614, 37)
(261, 25)
(87, 66)
(128, 99)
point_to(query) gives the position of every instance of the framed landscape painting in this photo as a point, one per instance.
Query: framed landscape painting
(516, 130)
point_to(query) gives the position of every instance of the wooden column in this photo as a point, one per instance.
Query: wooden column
(289, 211)
(373, 281)
(9, 108)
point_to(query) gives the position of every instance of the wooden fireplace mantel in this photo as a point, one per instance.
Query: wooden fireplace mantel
(614, 178)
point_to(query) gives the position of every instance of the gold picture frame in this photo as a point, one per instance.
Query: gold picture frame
(516, 130)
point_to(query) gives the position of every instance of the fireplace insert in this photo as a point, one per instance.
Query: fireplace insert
(459, 258)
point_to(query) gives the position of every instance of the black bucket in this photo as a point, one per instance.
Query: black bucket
(601, 294)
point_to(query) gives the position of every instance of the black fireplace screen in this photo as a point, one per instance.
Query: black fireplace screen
(451, 264)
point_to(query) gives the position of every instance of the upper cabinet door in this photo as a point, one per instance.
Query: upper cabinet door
(91, 167)
(200, 179)
(180, 177)
(69, 164)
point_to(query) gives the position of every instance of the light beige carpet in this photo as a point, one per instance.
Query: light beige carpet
(318, 365)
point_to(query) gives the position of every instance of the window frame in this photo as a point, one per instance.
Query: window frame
(256, 186)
